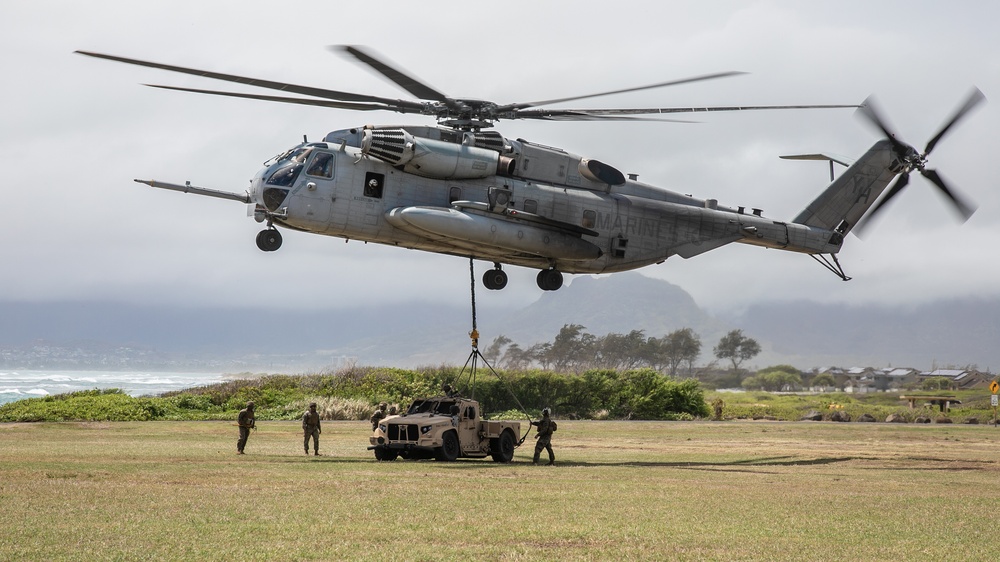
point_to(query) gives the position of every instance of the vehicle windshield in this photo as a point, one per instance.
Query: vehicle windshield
(442, 407)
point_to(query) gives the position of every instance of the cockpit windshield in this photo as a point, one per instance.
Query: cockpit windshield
(288, 167)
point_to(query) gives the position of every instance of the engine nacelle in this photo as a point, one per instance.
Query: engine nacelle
(433, 158)
(595, 170)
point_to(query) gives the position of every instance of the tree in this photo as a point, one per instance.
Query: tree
(737, 348)
(824, 380)
(678, 347)
(495, 350)
(571, 349)
(618, 351)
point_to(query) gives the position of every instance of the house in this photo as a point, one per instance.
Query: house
(959, 379)
(859, 379)
(890, 379)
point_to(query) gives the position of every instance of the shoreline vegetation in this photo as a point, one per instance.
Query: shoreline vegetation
(352, 394)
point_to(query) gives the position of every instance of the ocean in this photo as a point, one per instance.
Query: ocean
(18, 385)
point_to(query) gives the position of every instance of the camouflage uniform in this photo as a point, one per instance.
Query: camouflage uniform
(246, 421)
(311, 428)
(544, 437)
(378, 415)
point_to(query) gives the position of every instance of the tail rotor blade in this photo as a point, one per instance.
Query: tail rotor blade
(869, 110)
(896, 188)
(975, 98)
(963, 208)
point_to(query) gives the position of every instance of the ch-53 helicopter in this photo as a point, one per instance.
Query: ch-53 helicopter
(460, 188)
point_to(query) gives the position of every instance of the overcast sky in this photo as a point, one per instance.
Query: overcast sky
(75, 131)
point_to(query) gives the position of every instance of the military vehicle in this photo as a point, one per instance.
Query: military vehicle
(444, 428)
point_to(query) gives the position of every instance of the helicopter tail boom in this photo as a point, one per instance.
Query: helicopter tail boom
(848, 198)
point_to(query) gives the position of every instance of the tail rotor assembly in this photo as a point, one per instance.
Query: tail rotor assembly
(912, 160)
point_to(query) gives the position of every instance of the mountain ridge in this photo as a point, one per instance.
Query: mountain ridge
(959, 332)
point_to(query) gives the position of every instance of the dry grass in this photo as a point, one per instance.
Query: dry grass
(621, 490)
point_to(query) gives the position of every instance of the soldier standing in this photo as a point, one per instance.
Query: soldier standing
(544, 436)
(378, 415)
(246, 421)
(311, 428)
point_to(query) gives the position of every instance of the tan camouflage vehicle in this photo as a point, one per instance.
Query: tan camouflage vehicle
(444, 428)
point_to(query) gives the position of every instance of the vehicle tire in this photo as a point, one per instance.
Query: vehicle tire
(269, 240)
(503, 449)
(385, 455)
(495, 279)
(449, 447)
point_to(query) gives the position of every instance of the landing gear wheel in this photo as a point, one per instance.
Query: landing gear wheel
(502, 449)
(385, 454)
(549, 279)
(495, 279)
(449, 447)
(269, 240)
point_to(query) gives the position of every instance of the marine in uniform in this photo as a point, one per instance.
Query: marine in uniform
(246, 421)
(544, 436)
(311, 428)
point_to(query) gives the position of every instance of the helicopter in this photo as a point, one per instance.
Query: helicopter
(461, 188)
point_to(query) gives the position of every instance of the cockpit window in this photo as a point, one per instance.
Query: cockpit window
(285, 175)
(321, 166)
(289, 166)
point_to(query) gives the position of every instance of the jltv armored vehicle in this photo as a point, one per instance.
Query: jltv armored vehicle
(444, 428)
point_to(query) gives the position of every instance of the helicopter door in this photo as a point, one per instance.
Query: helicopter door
(373, 190)
(315, 192)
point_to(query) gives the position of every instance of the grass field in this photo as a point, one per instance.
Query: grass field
(620, 490)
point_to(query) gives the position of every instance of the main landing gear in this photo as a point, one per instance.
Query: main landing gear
(495, 279)
(549, 279)
(269, 239)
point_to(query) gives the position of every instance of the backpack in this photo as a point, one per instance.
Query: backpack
(553, 425)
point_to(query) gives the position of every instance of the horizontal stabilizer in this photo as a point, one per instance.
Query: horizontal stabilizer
(846, 162)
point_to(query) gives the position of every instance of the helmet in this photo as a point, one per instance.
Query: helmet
(250, 404)
(546, 412)
(382, 405)
(312, 404)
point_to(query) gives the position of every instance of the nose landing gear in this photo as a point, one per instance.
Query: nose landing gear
(269, 240)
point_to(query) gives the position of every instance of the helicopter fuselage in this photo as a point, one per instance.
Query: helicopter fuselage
(482, 196)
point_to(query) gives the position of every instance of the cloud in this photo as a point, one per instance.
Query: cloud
(76, 131)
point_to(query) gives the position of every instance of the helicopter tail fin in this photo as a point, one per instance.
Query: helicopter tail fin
(849, 197)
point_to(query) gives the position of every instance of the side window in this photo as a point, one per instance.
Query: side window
(322, 166)
(454, 194)
(530, 206)
(374, 183)
(589, 219)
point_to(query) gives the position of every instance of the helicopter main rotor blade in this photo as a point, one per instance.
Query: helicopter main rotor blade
(963, 208)
(585, 115)
(411, 84)
(284, 99)
(304, 90)
(517, 106)
(975, 98)
(547, 113)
